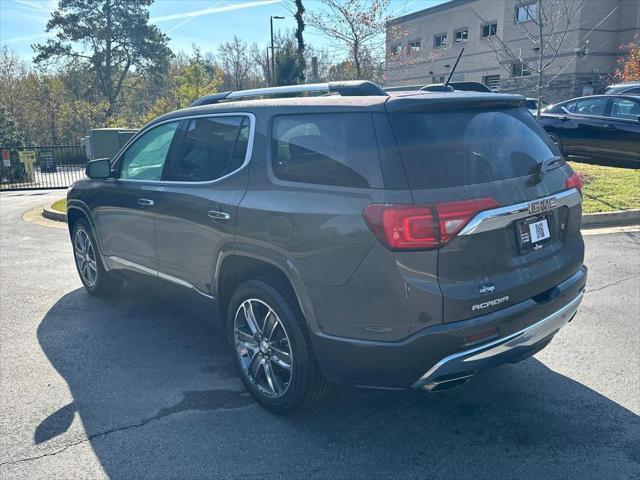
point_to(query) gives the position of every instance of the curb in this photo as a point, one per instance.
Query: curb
(51, 214)
(619, 217)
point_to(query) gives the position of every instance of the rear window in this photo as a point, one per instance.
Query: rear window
(327, 149)
(451, 149)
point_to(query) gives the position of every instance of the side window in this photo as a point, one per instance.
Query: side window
(327, 149)
(566, 107)
(145, 158)
(591, 106)
(625, 108)
(212, 147)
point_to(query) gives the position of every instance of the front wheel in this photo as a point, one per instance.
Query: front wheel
(95, 279)
(272, 349)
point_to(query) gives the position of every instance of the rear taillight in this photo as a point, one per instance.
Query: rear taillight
(422, 227)
(573, 182)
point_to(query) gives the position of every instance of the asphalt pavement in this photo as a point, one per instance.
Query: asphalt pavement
(142, 386)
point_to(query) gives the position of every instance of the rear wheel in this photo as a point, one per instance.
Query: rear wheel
(94, 277)
(272, 349)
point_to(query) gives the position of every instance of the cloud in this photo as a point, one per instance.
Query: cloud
(26, 39)
(48, 6)
(188, 19)
(212, 10)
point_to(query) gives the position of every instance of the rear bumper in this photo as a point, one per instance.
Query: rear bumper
(522, 344)
(453, 352)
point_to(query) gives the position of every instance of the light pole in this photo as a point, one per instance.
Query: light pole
(273, 53)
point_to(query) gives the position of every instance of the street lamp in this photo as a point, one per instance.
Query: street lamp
(273, 53)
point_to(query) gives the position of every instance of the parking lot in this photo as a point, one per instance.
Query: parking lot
(142, 386)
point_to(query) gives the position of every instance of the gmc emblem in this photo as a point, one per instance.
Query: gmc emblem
(544, 205)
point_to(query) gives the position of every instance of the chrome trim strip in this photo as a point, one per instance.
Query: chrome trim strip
(503, 216)
(247, 158)
(156, 273)
(463, 361)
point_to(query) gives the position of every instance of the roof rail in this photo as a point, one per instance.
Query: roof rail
(441, 87)
(352, 88)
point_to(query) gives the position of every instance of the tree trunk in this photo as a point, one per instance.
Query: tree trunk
(540, 59)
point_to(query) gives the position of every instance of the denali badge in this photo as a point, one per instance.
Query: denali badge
(544, 205)
(490, 303)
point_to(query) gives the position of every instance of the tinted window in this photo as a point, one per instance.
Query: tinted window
(625, 108)
(329, 149)
(212, 148)
(145, 158)
(591, 106)
(633, 91)
(566, 107)
(462, 148)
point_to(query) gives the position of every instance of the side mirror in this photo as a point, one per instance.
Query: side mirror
(100, 168)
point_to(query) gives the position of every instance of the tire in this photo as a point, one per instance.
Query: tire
(94, 277)
(279, 324)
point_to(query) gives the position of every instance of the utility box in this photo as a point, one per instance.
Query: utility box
(106, 142)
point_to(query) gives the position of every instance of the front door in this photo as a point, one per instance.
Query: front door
(205, 181)
(126, 217)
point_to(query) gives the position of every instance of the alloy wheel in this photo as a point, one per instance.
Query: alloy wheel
(263, 348)
(85, 255)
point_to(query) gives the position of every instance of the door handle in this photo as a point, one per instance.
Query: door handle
(563, 119)
(217, 215)
(608, 126)
(145, 202)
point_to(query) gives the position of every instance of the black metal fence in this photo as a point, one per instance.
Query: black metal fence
(40, 167)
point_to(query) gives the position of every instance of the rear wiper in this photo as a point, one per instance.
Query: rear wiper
(543, 167)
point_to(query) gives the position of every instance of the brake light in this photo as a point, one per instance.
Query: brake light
(422, 227)
(573, 182)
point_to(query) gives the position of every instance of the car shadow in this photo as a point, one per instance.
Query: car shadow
(153, 383)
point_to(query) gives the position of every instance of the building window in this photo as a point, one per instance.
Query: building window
(520, 69)
(524, 13)
(395, 50)
(461, 36)
(489, 30)
(438, 79)
(492, 81)
(440, 40)
(414, 46)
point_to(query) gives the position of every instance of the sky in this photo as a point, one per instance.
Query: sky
(205, 23)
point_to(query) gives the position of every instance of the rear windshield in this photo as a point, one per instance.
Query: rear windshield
(451, 149)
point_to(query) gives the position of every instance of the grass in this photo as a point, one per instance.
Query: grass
(608, 188)
(60, 205)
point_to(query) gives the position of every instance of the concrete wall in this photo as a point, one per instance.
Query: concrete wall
(585, 64)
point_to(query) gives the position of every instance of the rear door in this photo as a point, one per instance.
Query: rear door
(492, 155)
(591, 132)
(623, 139)
(205, 181)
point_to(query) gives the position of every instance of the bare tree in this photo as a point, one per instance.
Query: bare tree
(545, 25)
(236, 61)
(359, 26)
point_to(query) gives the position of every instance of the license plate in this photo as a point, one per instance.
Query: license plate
(532, 231)
(539, 231)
